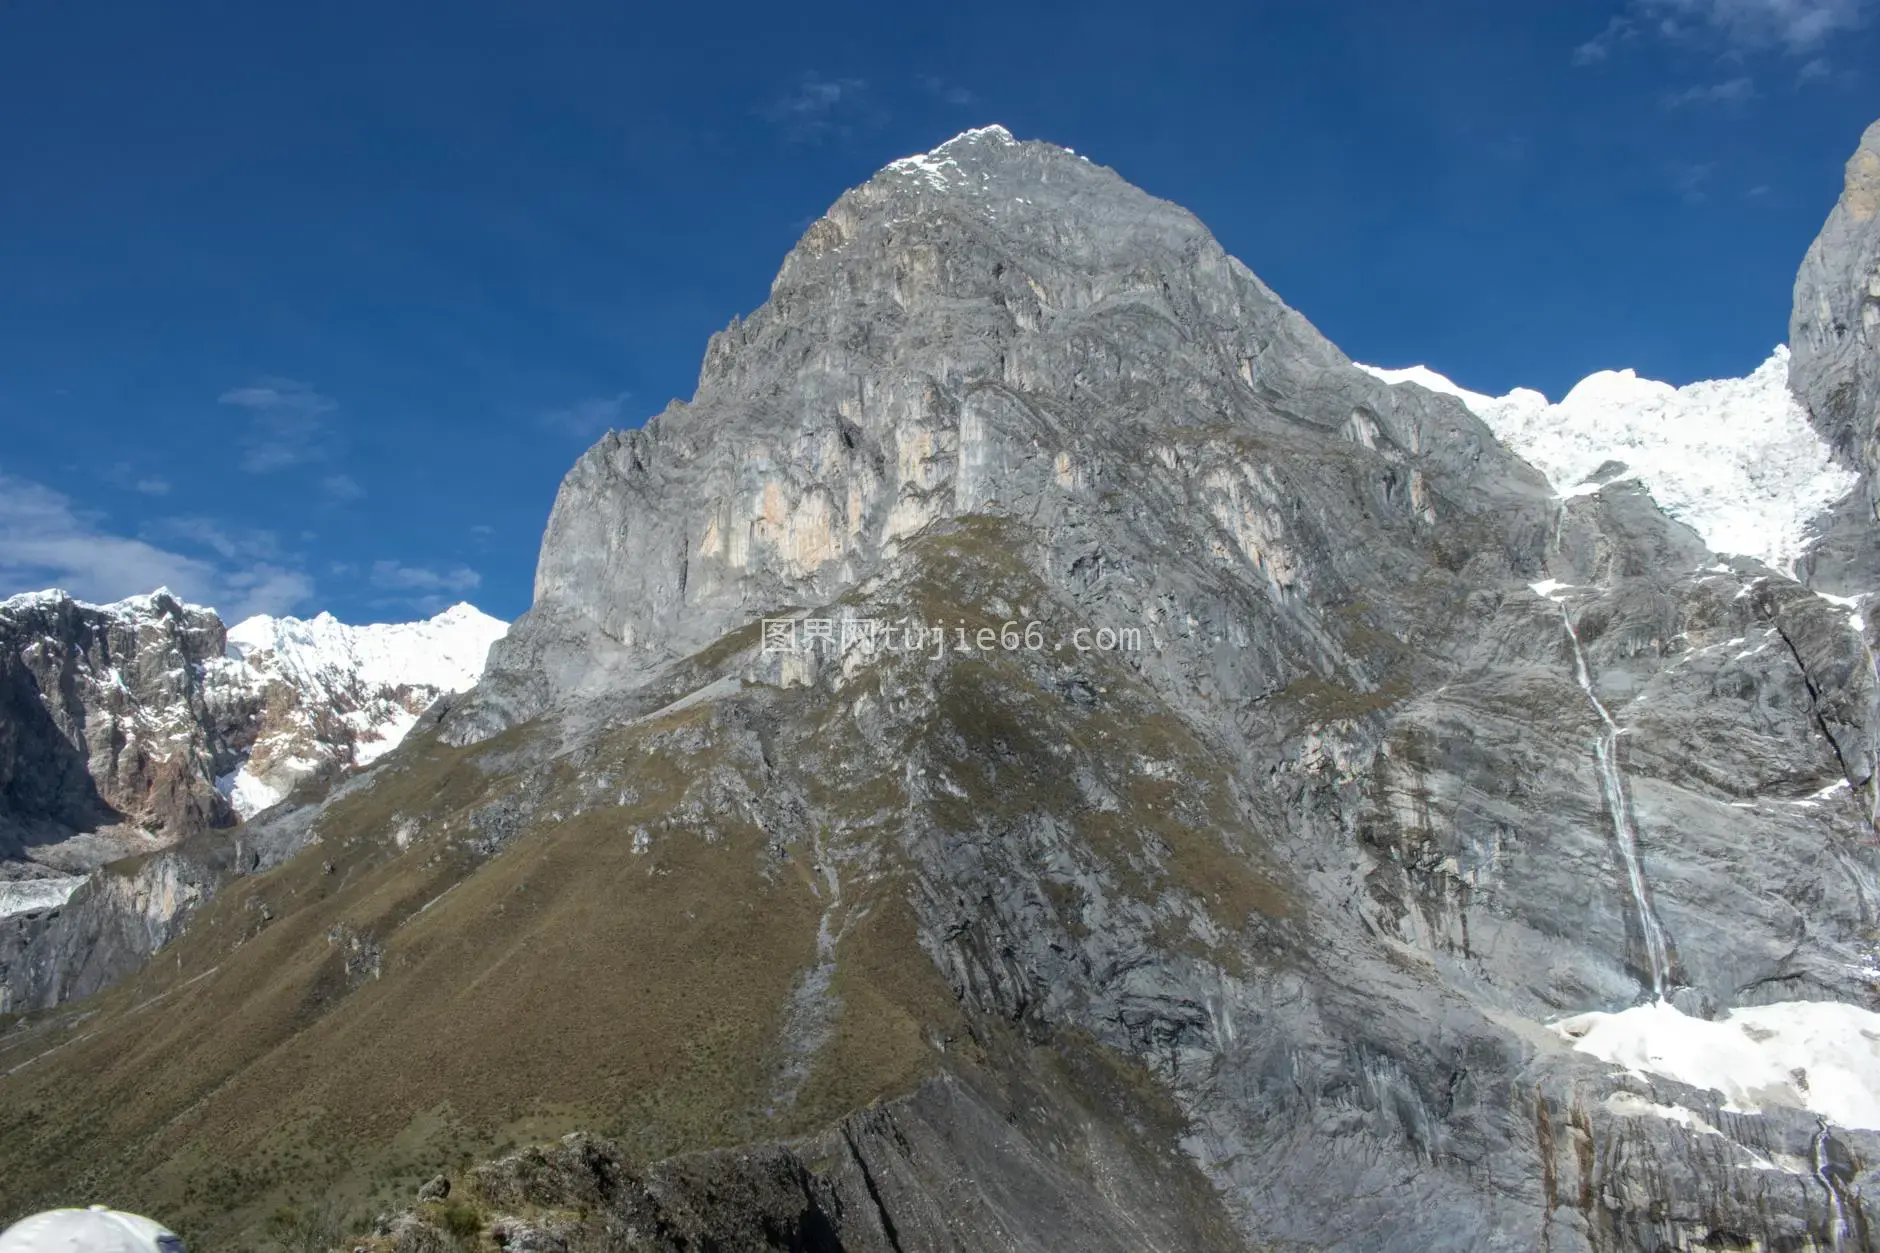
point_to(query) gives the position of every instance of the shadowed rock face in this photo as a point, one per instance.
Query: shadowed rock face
(1408, 760)
(109, 717)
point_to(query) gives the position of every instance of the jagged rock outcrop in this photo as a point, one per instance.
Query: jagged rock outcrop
(116, 716)
(1202, 771)
(1834, 331)
(940, 1169)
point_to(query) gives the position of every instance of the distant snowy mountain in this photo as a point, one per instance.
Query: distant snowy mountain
(127, 727)
(346, 692)
(1736, 460)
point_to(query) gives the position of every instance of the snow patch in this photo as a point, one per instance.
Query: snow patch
(938, 168)
(1631, 1105)
(1856, 620)
(386, 736)
(248, 793)
(1736, 460)
(25, 896)
(1821, 1056)
(130, 607)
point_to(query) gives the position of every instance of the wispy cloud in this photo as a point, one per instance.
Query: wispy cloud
(1795, 27)
(287, 424)
(946, 92)
(1727, 92)
(47, 541)
(1600, 46)
(426, 589)
(341, 487)
(1692, 181)
(816, 108)
(396, 576)
(586, 419)
(244, 544)
(123, 474)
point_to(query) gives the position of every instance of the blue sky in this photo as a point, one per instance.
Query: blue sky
(310, 306)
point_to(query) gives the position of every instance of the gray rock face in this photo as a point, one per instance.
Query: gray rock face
(1834, 332)
(109, 924)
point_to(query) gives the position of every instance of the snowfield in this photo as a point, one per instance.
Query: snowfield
(376, 678)
(446, 652)
(1822, 1056)
(1736, 460)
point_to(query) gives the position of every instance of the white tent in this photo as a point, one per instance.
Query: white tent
(94, 1230)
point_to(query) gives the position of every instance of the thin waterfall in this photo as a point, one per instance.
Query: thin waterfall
(1606, 753)
(1825, 1171)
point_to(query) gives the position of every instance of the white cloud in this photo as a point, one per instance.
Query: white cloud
(240, 545)
(588, 418)
(812, 110)
(1692, 181)
(1799, 26)
(341, 487)
(45, 541)
(1600, 46)
(287, 424)
(122, 474)
(397, 576)
(1795, 27)
(946, 92)
(1735, 89)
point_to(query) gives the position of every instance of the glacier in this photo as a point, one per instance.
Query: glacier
(1736, 460)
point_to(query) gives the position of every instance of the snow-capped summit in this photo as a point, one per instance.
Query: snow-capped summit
(445, 652)
(1736, 460)
(375, 680)
(939, 165)
(158, 600)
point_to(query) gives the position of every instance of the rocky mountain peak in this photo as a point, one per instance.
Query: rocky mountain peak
(982, 329)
